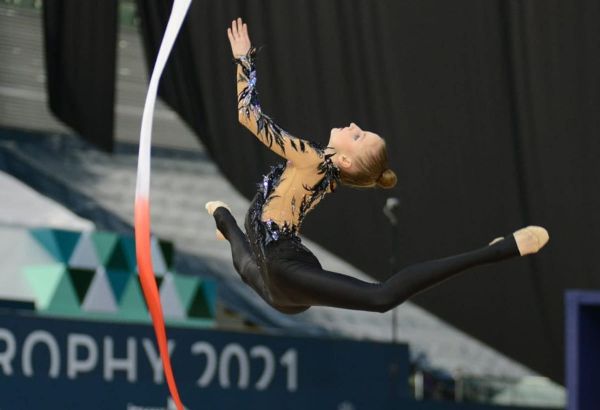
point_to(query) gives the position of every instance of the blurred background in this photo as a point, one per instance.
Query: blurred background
(490, 114)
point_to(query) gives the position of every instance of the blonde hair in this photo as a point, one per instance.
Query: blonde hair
(371, 171)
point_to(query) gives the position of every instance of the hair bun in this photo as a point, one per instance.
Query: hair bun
(387, 179)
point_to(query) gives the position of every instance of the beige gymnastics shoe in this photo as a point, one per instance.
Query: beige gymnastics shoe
(212, 205)
(531, 239)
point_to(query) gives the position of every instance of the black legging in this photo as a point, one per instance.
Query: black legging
(295, 279)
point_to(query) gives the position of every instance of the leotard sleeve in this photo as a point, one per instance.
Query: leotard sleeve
(300, 152)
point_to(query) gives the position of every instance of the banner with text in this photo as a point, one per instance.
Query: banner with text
(48, 363)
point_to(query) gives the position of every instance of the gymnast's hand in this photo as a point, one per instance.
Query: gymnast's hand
(238, 38)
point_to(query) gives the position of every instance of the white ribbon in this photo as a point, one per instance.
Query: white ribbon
(142, 196)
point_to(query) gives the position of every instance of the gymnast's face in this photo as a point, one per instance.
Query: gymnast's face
(352, 142)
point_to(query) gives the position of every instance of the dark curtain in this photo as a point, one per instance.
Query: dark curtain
(80, 39)
(490, 112)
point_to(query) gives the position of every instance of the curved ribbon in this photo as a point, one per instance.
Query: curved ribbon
(142, 197)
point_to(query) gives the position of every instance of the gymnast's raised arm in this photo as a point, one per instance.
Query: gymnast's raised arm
(300, 152)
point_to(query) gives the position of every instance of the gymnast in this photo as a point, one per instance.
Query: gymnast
(272, 259)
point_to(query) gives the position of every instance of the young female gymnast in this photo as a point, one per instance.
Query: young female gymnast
(272, 258)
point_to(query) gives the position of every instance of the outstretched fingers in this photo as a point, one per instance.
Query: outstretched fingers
(238, 37)
(237, 27)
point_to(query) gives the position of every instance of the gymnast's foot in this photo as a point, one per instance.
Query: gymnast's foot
(531, 239)
(211, 207)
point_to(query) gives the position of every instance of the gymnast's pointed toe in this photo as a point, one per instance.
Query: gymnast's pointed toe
(531, 239)
(211, 206)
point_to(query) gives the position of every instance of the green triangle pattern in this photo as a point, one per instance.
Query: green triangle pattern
(210, 293)
(118, 280)
(105, 243)
(167, 250)
(100, 298)
(202, 305)
(158, 280)
(186, 288)
(170, 300)
(132, 304)
(43, 281)
(60, 289)
(158, 261)
(66, 242)
(81, 280)
(128, 246)
(118, 259)
(64, 300)
(84, 255)
(48, 241)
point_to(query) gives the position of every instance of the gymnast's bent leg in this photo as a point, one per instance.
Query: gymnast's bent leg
(309, 285)
(240, 248)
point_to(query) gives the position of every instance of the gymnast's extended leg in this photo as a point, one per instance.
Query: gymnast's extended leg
(312, 286)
